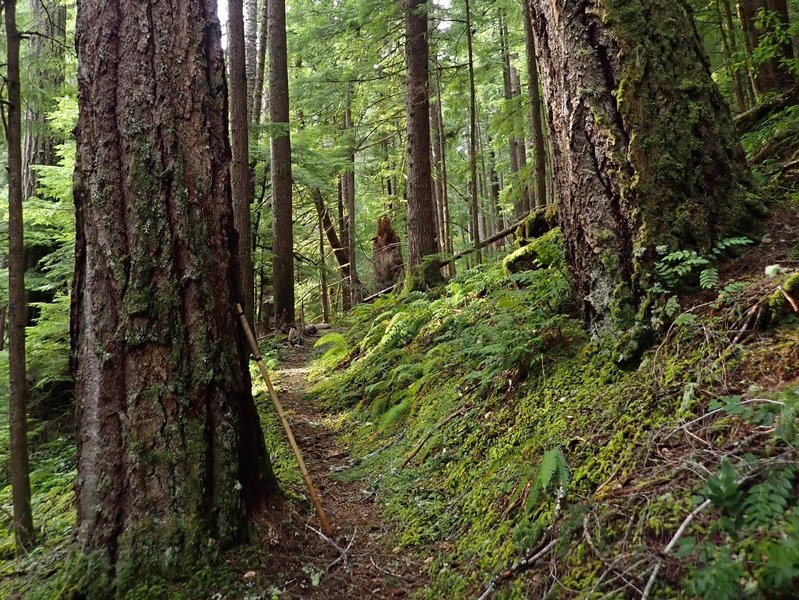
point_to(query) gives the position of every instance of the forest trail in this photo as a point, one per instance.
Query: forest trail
(301, 563)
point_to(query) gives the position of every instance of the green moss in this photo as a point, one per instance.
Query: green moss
(541, 252)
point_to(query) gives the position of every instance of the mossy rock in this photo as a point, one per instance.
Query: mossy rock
(778, 304)
(540, 253)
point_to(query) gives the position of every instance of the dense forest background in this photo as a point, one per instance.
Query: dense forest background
(499, 360)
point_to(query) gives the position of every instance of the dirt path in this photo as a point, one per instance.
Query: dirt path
(302, 564)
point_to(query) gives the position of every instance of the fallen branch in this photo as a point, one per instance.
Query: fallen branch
(343, 555)
(376, 295)
(517, 568)
(670, 546)
(341, 551)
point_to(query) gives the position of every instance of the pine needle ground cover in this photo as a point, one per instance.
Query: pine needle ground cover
(516, 456)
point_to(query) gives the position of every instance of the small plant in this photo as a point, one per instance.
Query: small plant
(674, 270)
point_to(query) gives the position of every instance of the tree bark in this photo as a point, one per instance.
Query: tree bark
(474, 199)
(282, 224)
(260, 68)
(17, 311)
(641, 162)
(336, 244)
(170, 451)
(540, 197)
(421, 223)
(250, 49)
(241, 177)
(323, 274)
(348, 188)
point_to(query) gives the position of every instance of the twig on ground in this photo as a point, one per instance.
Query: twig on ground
(518, 567)
(670, 546)
(341, 551)
(386, 571)
(343, 555)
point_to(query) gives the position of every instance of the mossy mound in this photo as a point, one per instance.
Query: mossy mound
(499, 430)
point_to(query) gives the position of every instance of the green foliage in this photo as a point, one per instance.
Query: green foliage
(553, 470)
(756, 510)
(674, 271)
(337, 351)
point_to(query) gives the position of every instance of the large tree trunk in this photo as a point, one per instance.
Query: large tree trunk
(240, 163)
(645, 153)
(170, 451)
(17, 313)
(421, 221)
(282, 223)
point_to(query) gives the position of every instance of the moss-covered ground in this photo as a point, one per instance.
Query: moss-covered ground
(497, 431)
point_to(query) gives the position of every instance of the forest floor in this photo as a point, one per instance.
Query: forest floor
(300, 563)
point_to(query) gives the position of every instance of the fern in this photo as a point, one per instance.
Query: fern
(766, 502)
(338, 350)
(553, 468)
(708, 278)
(394, 414)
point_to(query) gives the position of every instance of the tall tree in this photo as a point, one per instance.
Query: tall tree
(473, 195)
(240, 163)
(771, 73)
(640, 162)
(260, 66)
(536, 117)
(282, 224)
(514, 144)
(348, 191)
(17, 312)
(250, 48)
(421, 220)
(170, 452)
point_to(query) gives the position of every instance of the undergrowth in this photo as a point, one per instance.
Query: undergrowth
(497, 431)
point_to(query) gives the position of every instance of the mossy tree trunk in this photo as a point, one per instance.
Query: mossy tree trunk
(644, 150)
(422, 272)
(171, 457)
